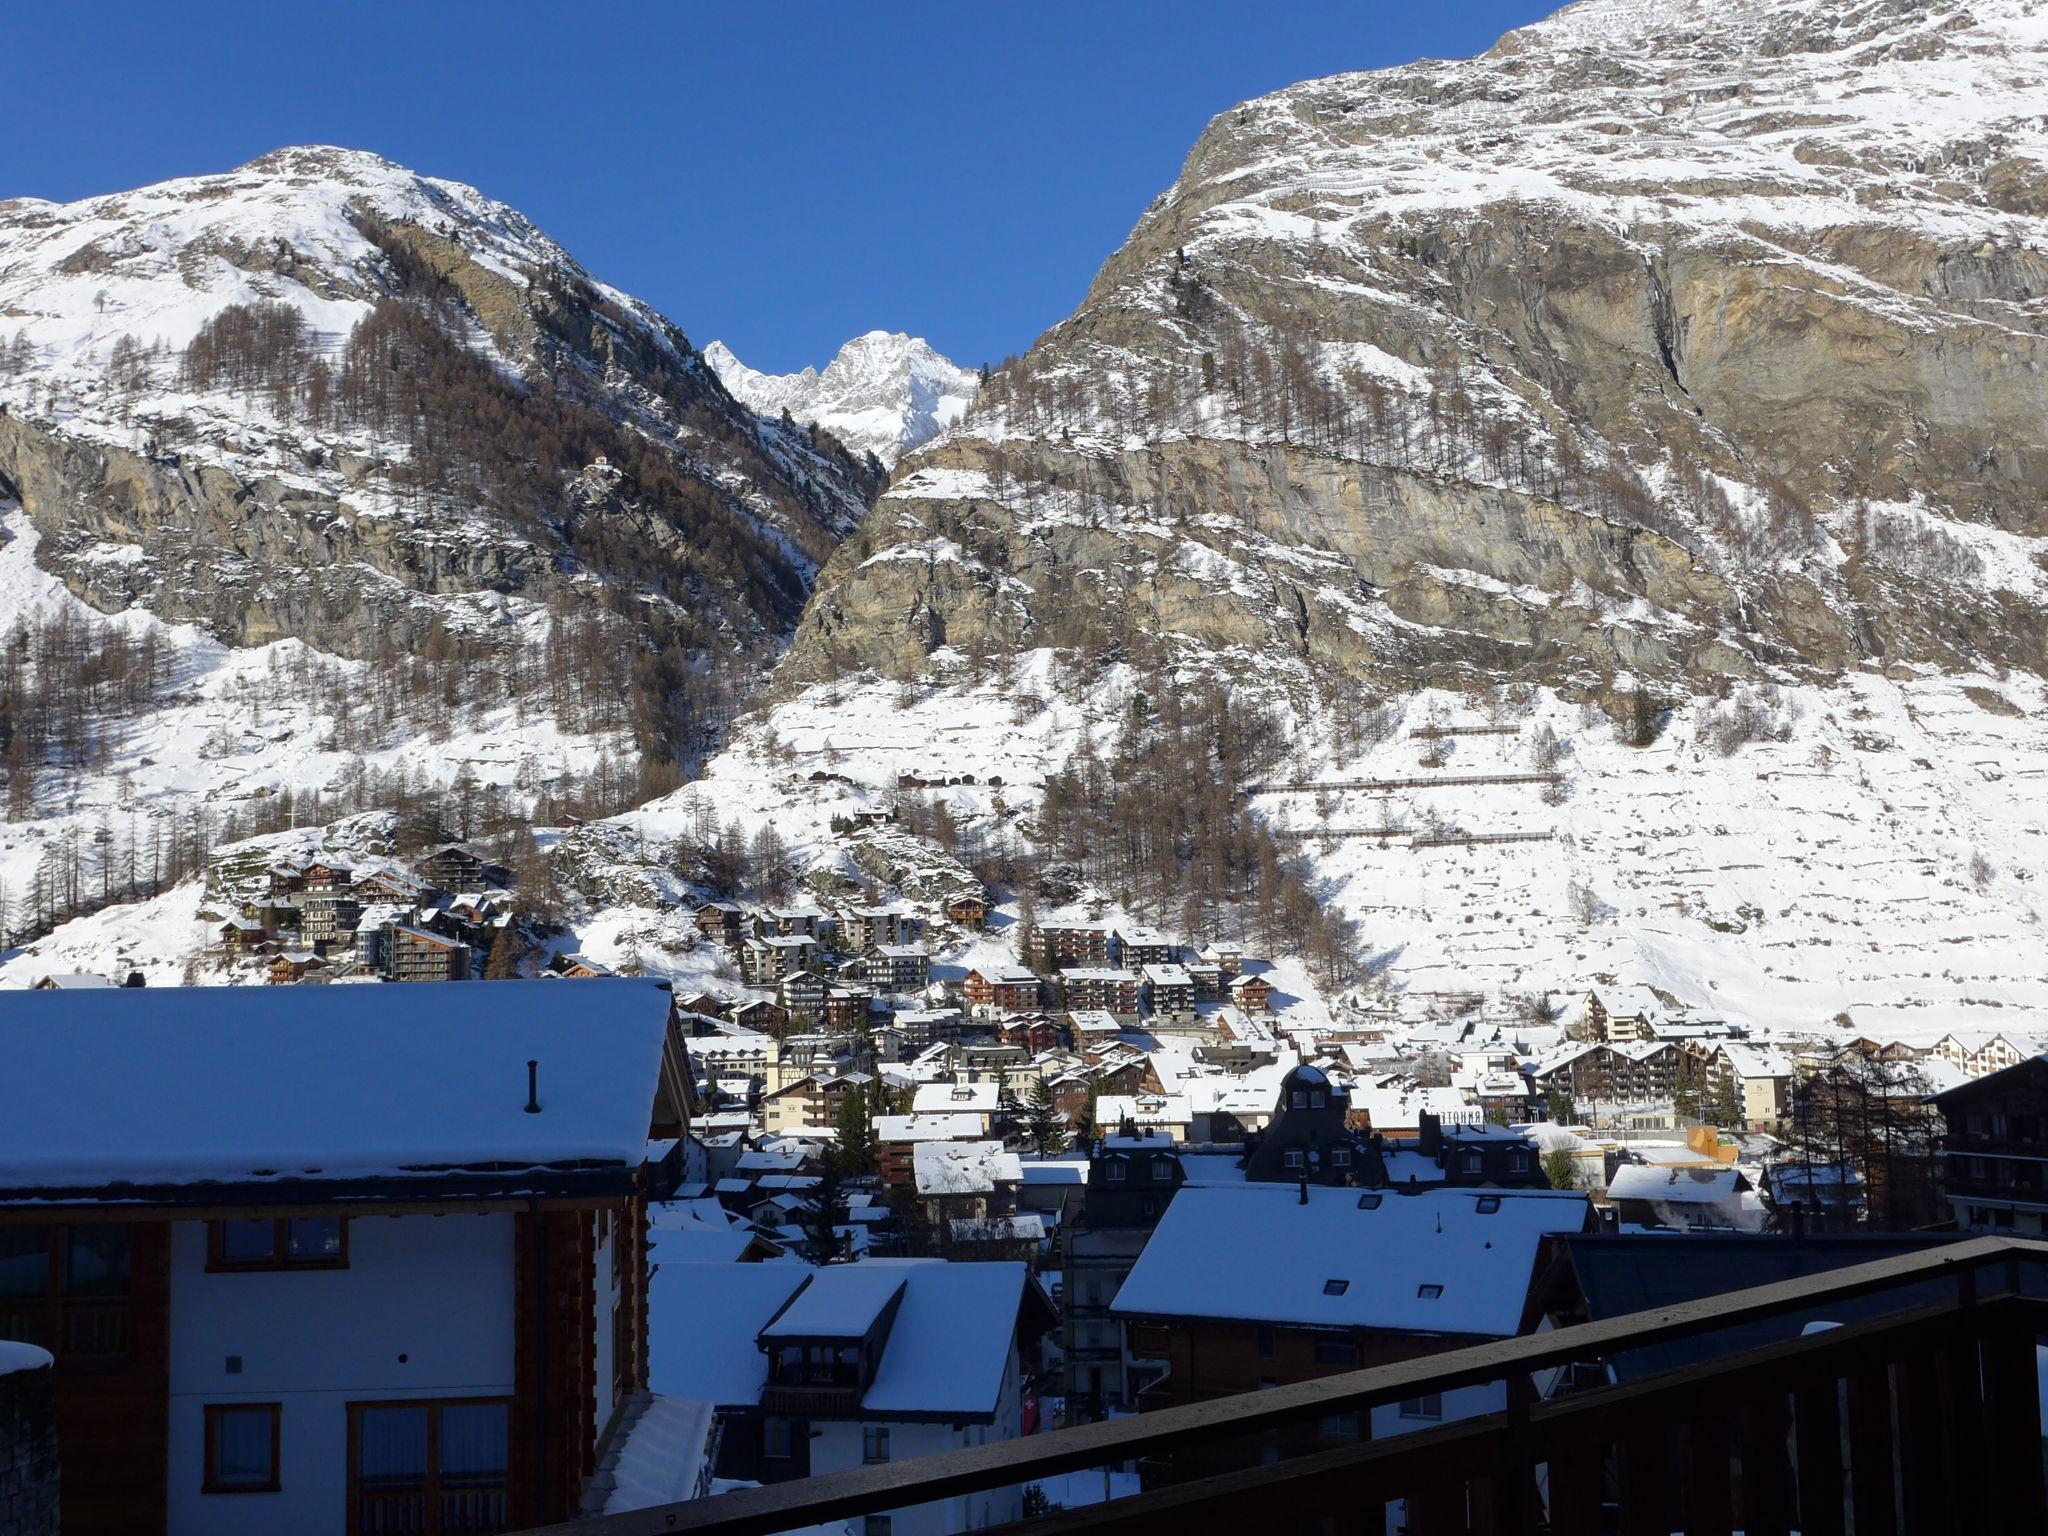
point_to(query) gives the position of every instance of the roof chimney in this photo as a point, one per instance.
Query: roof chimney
(533, 1087)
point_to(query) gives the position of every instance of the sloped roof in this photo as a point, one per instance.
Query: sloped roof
(186, 1086)
(1348, 1258)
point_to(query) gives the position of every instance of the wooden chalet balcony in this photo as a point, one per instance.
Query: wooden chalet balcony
(811, 1400)
(1924, 1418)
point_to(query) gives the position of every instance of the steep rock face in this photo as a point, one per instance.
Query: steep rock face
(1677, 339)
(261, 514)
(884, 393)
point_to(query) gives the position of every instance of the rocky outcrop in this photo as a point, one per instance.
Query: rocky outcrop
(1688, 340)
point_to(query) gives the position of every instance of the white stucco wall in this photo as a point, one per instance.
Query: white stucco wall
(424, 1309)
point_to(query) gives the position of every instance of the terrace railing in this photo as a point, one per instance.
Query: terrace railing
(1924, 1418)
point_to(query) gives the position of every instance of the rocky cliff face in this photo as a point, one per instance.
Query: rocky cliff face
(1685, 340)
(255, 508)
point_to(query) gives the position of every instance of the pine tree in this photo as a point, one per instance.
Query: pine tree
(854, 1150)
(823, 1213)
(1043, 1122)
(503, 961)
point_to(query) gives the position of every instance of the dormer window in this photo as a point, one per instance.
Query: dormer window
(1316, 1099)
(1471, 1162)
(1340, 1157)
(1113, 1170)
(1162, 1167)
(1300, 1099)
(1293, 1158)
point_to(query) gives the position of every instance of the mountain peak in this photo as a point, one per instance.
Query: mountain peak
(884, 392)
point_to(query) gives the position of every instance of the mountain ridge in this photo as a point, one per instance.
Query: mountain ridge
(884, 392)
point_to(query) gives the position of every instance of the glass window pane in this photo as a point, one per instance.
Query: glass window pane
(24, 1262)
(392, 1445)
(241, 1445)
(313, 1238)
(248, 1242)
(474, 1440)
(96, 1260)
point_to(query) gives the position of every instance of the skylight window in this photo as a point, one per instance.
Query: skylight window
(1370, 1202)
(1429, 1292)
(1488, 1204)
(1339, 1287)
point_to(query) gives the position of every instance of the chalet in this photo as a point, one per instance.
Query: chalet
(1032, 1033)
(1140, 947)
(1227, 958)
(981, 1100)
(354, 1343)
(1132, 1178)
(1621, 1013)
(454, 867)
(968, 911)
(1112, 991)
(391, 884)
(284, 879)
(1308, 1138)
(325, 876)
(1001, 989)
(415, 954)
(239, 936)
(898, 1136)
(1058, 946)
(760, 1013)
(964, 1180)
(577, 968)
(1253, 994)
(788, 921)
(1688, 1198)
(861, 929)
(893, 1359)
(1209, 981)
(897, 969)
(1168, 990)
(1994, 1161)
(918, 1028)
(328, 917)
(766, 960)
(1757, 1079)
(722, 922)
(1630, 1072)
(1314, 1281)
(811, 1103)
(293, 965)
(802, 995)
(1464, 1155)
(1979, 1053)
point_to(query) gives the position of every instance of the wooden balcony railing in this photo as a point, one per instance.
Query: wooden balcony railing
(1921, 1419)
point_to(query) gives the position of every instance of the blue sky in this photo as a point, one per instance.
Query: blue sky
(780, 175)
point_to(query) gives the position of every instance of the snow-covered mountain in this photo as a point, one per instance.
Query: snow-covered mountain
(885, 393)
(342, 472)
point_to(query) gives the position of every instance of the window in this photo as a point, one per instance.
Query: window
(876, 1525)
(1263, 1339)
(1340, 1157)
(1429, 1292)
(280, 1242)
(66, 1289)
(1316, 1100)
(1472, 1162)
(1300, 1098)
(242, 1447)
(428, 1468)
(1518, 1162)
(1428, 1406)
(1292, 1157)
(874, 1442)
(1368, 1202)
(1338, 1426)
(1488, 1204)
(1336, 1287)
(1113, 1170)
(1336, 1352)
(775, 1438)
(1162, 1168)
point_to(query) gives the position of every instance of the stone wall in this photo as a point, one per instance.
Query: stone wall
(28, 1447)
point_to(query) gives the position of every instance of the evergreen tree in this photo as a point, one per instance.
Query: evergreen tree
(854, 1150)
(823, 1213)
(1561, 1168)
(503, 962)
(1043, 1122)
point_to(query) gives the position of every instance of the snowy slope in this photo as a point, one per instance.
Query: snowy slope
(884, 393)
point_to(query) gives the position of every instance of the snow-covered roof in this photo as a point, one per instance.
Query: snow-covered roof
(1674, 1185)
(949, 1347)
(929, 1127)
(702, 1323)
(956, 1098)
(963, 1167)
(1628, 1002)
(1434, 1262)
(1168, 976)
(1094, 1021)
(1102, 974)
(1752, 1061)
(842, 1301)
(232, 1085)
